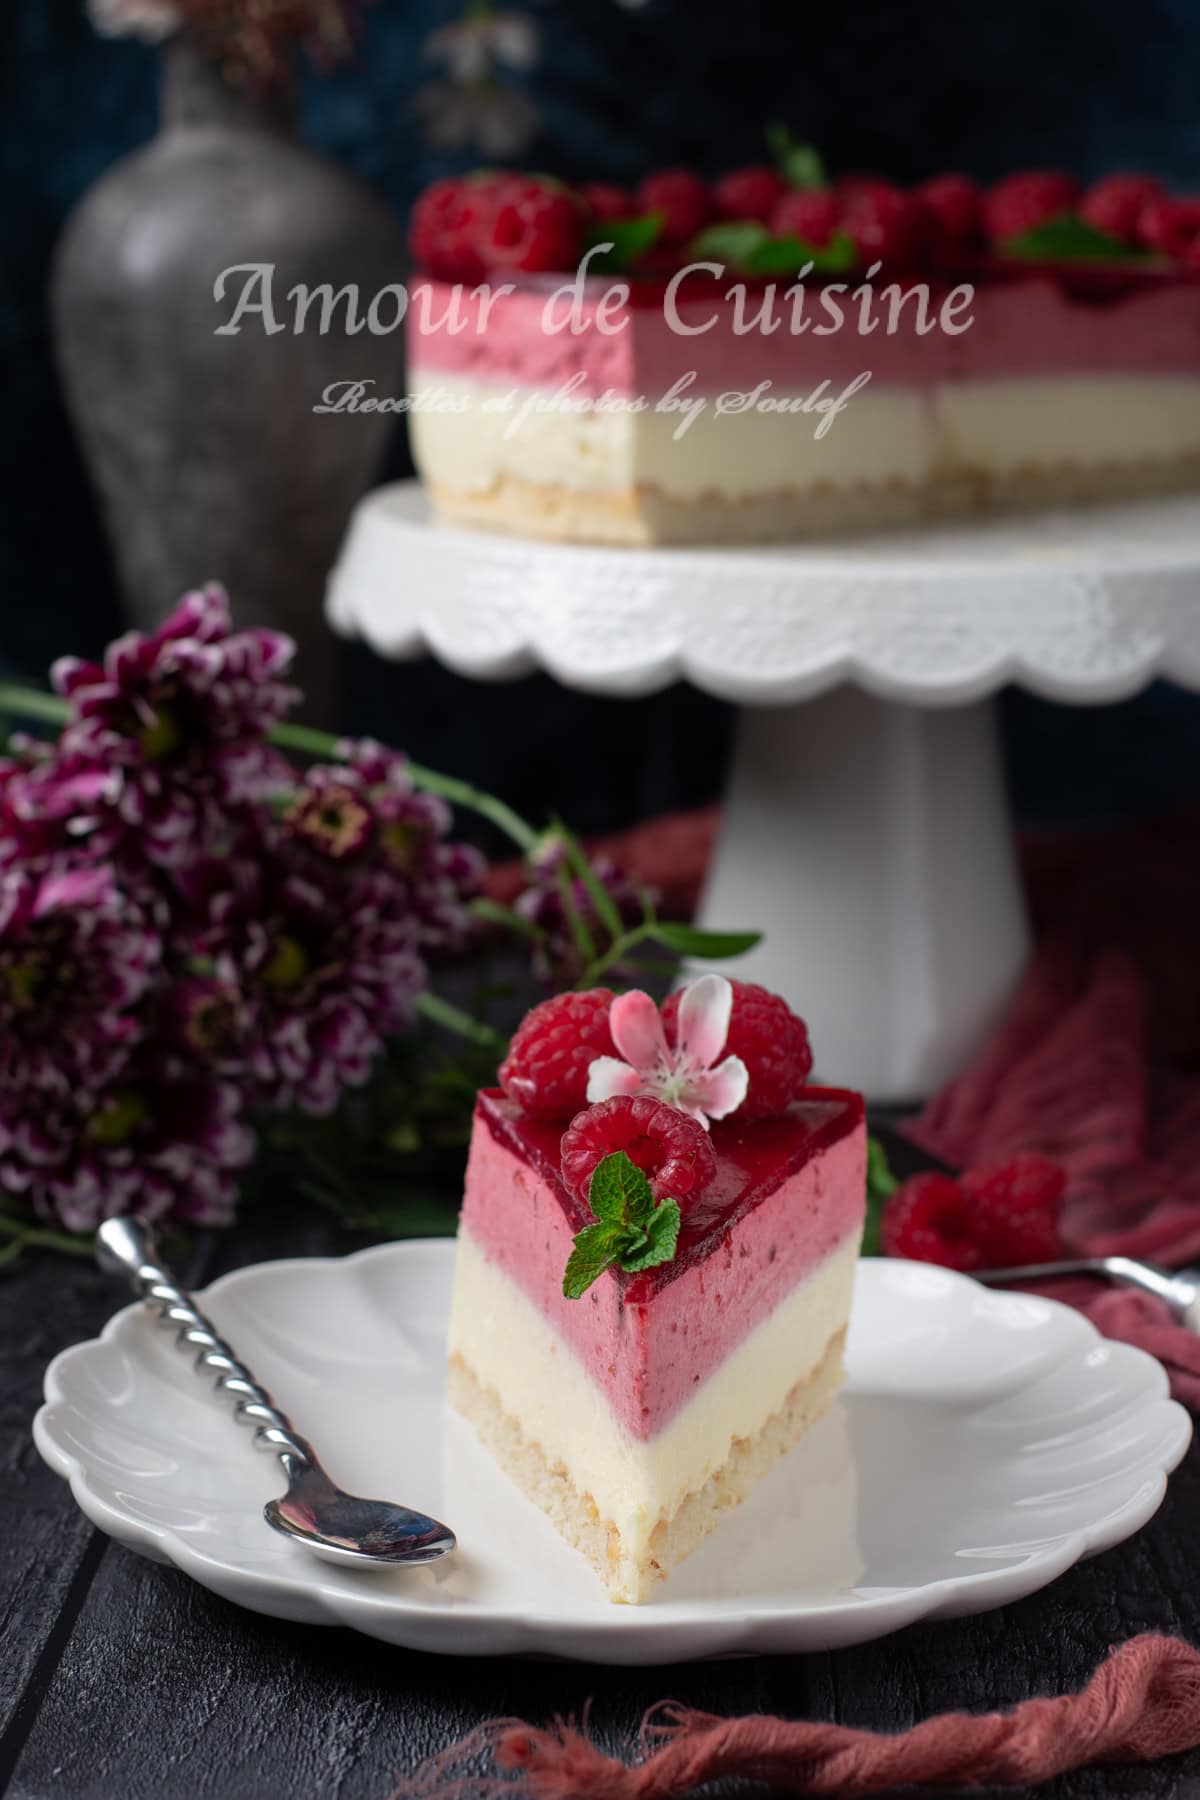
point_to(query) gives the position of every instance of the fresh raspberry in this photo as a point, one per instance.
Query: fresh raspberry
(929, 1219)
(1117, 203)
(546, 1070)
(673, 1151)
(749, 193)
(530, 227)
(771, 1041)
(1172, 227)
(444, 230)
(811, 214)
(887, 225)
(606, 201)
(1015, 1207)
(1021, 203)
(955, 204)
(683, 200)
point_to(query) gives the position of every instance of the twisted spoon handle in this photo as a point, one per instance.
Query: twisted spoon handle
(125, 1247)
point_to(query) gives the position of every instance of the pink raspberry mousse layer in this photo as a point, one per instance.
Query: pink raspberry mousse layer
(1032, 325)
(788, 1192)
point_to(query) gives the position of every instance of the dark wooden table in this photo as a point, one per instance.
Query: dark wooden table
(120, 1679)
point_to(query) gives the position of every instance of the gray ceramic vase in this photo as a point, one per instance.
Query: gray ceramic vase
(208, 457)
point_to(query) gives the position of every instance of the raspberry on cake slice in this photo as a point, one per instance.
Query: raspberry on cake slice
(651, 1296)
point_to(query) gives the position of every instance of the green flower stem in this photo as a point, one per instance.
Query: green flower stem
(37, 1237)
(615, 953)
(29, 703)
(453, 1018)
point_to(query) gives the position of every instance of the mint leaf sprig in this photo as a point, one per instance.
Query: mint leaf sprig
(628, 239)
(630, 1230)
(798, 163)
(1069, 238)
(750, 248)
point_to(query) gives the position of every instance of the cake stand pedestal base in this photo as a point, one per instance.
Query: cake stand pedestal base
(870, 841)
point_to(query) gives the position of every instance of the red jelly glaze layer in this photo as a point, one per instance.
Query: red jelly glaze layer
(752, 1160)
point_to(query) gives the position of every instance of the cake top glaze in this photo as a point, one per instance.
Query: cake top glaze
(753, 1157)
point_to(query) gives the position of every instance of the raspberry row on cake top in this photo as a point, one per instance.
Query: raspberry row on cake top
(764, 357)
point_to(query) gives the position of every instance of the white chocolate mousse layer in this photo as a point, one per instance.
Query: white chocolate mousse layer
(635, 1484)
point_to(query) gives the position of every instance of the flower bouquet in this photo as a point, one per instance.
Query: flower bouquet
(219, 935)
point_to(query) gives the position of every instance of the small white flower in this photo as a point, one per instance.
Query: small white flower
(150, 20)
(497, 120)
(473, 46)
(688, 1077)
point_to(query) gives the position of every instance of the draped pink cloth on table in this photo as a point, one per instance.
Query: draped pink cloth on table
(1097, 1062)
(1142, 1703)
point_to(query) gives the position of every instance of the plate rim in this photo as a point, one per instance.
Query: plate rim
(311, 1593)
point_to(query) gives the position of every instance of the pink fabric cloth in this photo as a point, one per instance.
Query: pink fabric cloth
(1143, 1702)
(1067, 1072)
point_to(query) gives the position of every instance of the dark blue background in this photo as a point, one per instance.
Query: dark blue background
(904, 88)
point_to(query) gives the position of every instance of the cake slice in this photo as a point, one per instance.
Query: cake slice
(638, 1407)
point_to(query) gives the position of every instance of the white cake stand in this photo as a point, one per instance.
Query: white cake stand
(865, 828)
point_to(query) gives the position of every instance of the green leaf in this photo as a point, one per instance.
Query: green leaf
(880, 1180)
(630, 239)
(732, 242)
(688, 940)
(881, 1183)
(799, 164)
(629, 1230)
(787, 255)
(1068, 238)
(662, 1235)
(749, 247)
(619, 1192)
(595, 1250)
(629, 1242)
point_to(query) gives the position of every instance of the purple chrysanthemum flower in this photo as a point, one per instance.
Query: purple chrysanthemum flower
(161, 1141)
(77, 959)
(51, 806)
(301, 974)
(178, 722)
(366, 811)
(557, 958)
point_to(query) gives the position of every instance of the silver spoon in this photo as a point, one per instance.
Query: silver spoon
(334, 1525)
(1180, 1292)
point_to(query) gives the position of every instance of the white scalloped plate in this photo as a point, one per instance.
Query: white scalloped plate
(984, 1443)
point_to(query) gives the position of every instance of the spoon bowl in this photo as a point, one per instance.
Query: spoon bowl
(341, 1528)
